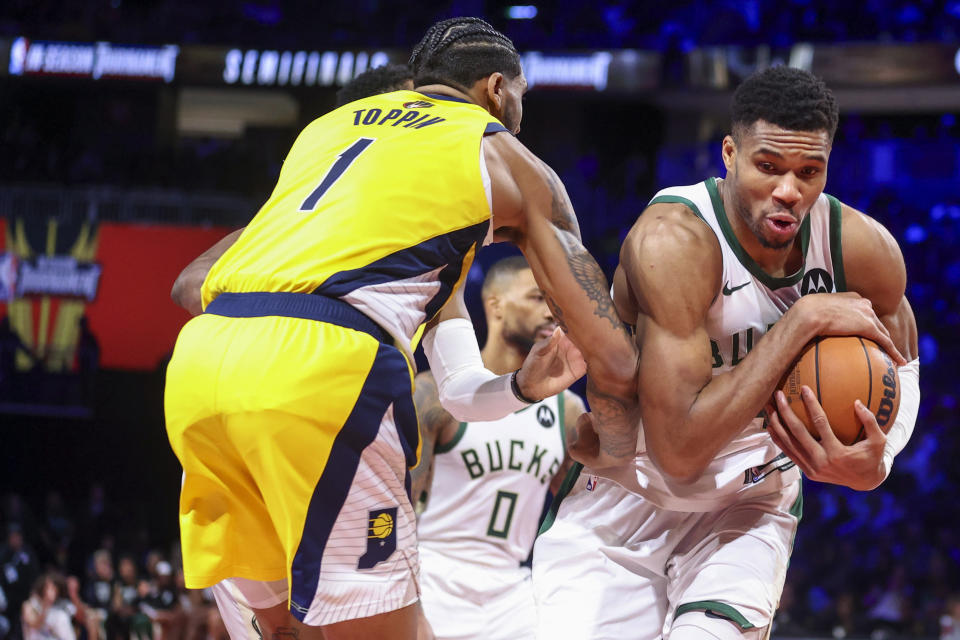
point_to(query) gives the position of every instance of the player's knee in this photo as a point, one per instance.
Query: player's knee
(697, 625)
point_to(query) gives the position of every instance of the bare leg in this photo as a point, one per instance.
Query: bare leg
(393, 625)
(276, 623)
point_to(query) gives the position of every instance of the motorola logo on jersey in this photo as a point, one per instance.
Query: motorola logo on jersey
(545, 416)
(816, 281)
(417, 104)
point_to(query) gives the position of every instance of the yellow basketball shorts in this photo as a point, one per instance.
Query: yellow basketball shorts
(294, 421)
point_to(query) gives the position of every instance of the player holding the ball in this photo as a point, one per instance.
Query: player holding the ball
(726, 282)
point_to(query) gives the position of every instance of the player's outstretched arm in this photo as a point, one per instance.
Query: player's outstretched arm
(187, 286)
(471, 392)
(672, 263)
(874, 268)
(531, 209)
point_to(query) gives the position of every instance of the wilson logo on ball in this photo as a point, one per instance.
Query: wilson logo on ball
(889, 381)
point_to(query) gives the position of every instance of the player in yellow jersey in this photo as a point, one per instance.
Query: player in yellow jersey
(287, 402)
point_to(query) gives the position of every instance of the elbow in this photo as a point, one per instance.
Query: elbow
(674, 460)
(186, 294)
(614, 370)
(680, 471)
(460, 411)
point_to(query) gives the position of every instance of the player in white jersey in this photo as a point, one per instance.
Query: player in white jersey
(691, 538)
(484, 483)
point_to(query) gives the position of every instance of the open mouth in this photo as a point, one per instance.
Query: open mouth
(782, 223)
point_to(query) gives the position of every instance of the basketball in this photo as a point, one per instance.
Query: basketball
(841, 370)
(381, 526)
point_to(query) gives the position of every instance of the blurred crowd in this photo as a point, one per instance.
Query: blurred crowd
(91, 573)
(555, 25)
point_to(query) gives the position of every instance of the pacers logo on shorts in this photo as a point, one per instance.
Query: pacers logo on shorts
(381, 537)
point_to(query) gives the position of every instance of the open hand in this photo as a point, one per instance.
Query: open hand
(552, 365)
(858, 466)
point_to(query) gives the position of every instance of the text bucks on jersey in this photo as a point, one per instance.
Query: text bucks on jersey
(490, 483)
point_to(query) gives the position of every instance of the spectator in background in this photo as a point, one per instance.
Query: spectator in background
(43, 616)
(99, 594)
(20, 569)
(57, 530)
(4, 621)
(950, 620)
(162, 605)
(126, 618)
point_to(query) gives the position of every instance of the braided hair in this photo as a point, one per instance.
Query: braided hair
(459, 51)
(789, 98)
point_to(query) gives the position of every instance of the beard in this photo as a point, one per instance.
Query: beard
(757, 228)
(519, 341)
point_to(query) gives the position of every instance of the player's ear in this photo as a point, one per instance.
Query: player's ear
(494, 306)
(494, 91)
(728, 150)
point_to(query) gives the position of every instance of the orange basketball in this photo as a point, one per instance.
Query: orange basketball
(841, 370)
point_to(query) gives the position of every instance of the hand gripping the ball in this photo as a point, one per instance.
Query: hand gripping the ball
(858, 466)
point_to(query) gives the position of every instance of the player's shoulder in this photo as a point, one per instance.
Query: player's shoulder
(872, 261)
(671, 230)
(859, 228)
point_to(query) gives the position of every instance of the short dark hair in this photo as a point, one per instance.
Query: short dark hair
(500, 271)
(789, 98)
(389, 77)
(459, 51)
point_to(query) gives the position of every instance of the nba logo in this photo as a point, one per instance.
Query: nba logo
(18, 56)
(8, 276)
(592, 483)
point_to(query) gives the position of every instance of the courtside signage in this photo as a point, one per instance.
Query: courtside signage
(95, 61)
(294, 68)
(59, 276)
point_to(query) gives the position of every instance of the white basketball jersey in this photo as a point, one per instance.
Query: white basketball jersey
(749, 303)
(489, 486)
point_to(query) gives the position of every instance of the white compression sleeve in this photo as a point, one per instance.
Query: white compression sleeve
(467, 389)
(902, 427)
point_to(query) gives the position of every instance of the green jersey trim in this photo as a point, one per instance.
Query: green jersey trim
(561, 410)
(457, 437)
(565, 488)
(836, 244)
(749, 263)
(717, 609)
(678, 200)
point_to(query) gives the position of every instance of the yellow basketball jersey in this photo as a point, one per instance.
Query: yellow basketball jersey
(382, 203)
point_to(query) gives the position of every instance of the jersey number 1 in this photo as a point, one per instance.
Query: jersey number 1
(344, 160)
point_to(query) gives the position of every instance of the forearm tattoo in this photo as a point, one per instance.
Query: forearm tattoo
(611, 410)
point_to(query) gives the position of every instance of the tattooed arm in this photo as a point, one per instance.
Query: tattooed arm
(572, 410)
(531, 209)
(436, 427)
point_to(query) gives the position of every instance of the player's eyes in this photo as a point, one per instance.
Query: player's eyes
(766, 166)
(810, 171)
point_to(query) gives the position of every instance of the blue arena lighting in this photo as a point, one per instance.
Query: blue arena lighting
(522, 12)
